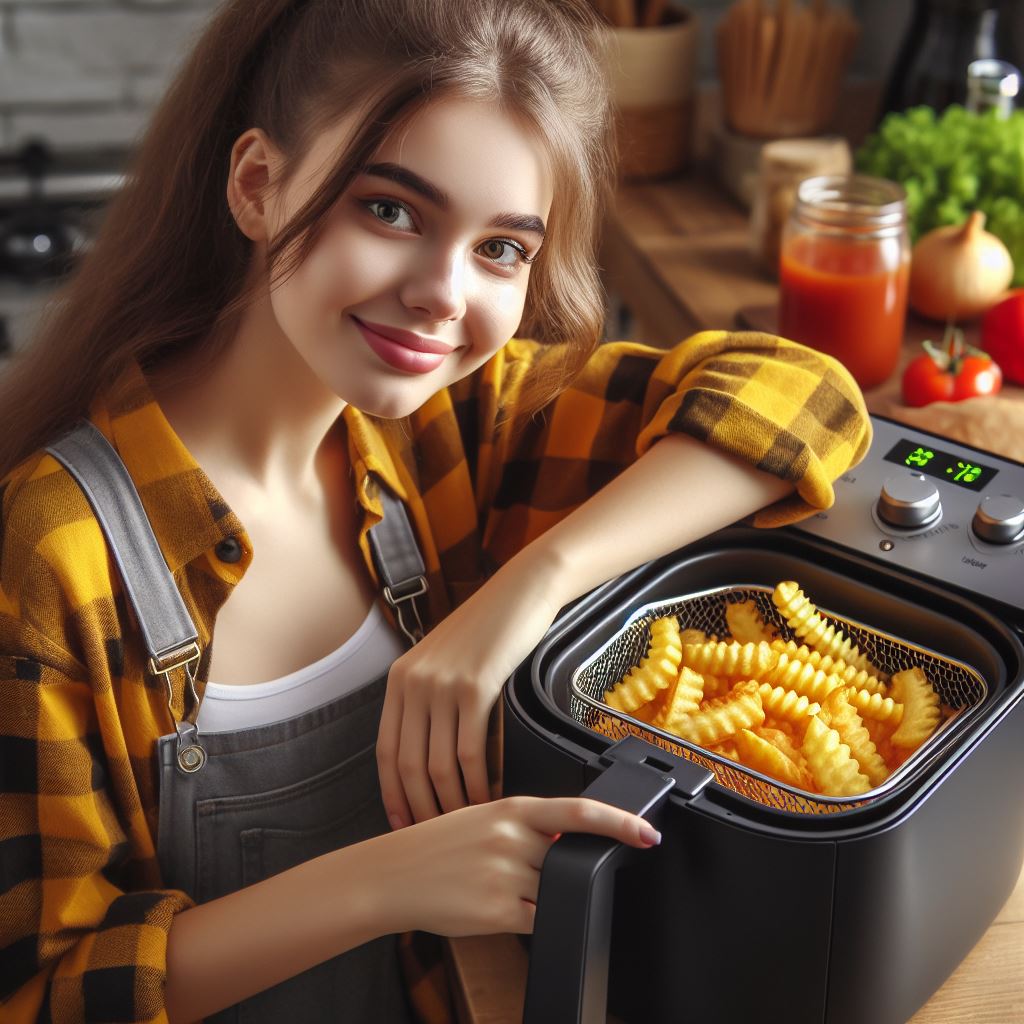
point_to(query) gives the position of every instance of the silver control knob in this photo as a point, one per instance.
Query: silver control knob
(999, 519)
(909, 501)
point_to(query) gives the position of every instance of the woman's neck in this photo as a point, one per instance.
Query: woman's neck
(257, 418)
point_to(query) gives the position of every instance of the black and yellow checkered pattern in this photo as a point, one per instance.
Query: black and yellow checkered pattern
(83, 915)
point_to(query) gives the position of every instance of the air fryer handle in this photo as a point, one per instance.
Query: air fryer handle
(568, 975)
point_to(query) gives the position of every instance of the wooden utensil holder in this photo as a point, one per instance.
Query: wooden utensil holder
(653, 79)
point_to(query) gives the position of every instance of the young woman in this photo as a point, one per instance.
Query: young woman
(340, 215)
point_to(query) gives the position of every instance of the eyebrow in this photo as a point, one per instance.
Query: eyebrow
(403, 176)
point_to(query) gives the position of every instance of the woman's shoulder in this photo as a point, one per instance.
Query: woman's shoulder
(46, 522)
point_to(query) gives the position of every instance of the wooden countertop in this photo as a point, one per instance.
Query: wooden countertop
(676, 253)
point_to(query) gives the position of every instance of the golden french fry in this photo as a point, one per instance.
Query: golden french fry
(779, 724)
(820, 635)
(716, 686)
(838, 713)
(921, 708)
(746, 623)
(722, 717)
(803, 678)
(693, 636)
(878, 731)
(684, 698)
(656, 672)
(787, 705)
(734, 660)
(757, 753)
(780, 739)
(727, 748)
(834, 769)
(876, 707)
(850, 674)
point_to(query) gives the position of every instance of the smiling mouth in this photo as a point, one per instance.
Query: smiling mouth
(402, 350)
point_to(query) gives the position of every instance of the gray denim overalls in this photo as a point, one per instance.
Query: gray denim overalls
(241, 806)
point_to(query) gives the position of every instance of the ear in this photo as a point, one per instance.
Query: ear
(255, 165)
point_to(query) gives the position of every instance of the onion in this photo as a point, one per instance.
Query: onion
(958, 272)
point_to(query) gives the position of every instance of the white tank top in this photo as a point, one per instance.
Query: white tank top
(367, 654)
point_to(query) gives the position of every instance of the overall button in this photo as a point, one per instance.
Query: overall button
(909, 501)
(228, 550)
(999, 519)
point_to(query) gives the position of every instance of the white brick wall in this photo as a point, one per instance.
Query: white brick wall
(87, 73)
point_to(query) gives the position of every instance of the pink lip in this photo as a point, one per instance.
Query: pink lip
(403, 350)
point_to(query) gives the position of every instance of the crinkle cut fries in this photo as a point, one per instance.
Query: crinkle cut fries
(816, 715)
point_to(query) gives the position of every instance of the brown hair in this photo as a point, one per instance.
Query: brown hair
(169, 266)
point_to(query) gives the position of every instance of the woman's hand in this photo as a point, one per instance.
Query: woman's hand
(477, 871)
(433, 729)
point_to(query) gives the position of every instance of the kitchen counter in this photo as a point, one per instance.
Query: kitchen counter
(676, 254)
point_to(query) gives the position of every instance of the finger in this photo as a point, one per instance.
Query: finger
(472, 749)
(536, 848)
(577, 814)
(442, 764)
(527, 918)
(388, 735)
(412, 760)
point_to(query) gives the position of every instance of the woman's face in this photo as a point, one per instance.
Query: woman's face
(420, 273)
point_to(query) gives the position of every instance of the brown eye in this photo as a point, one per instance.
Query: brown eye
(503, 252)
(392, 213)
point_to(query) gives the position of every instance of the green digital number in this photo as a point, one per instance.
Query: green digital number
(967, 473)
(919, 457)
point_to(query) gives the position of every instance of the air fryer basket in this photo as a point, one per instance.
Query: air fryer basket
(958, 685)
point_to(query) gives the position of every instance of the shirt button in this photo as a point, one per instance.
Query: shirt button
(228, 550)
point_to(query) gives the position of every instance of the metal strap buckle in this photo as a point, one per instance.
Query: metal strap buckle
(400, 602)
(191, 755)
(179, 658)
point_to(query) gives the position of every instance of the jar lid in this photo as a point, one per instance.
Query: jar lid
(846, 201)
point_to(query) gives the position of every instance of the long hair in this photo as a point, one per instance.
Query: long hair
(169, 267)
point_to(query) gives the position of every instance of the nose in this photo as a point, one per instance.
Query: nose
(436, 288)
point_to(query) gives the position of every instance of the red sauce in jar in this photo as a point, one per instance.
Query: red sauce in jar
(845, 294)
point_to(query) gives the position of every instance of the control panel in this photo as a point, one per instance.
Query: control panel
(937, 507)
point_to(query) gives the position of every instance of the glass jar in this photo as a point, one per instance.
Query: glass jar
(844, 268)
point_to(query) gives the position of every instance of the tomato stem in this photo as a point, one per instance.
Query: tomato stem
(953, 351)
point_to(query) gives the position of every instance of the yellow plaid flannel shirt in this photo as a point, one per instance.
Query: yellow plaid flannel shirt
(83, 914)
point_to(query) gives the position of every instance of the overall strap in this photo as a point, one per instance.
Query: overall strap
(399, 563)
(168, 632)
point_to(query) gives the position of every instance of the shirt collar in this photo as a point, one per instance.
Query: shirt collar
(188, 514)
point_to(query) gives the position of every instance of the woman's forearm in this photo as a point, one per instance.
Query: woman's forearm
(472, 872)
(678, 491)
(221, 952)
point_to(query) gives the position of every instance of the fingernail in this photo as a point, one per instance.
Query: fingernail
(651, 836)
(397, 823)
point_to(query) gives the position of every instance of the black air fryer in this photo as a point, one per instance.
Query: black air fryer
(765, 902)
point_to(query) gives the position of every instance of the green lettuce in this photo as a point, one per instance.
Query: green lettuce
(951, 164)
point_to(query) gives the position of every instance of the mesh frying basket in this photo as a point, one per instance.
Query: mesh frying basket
(959, 686)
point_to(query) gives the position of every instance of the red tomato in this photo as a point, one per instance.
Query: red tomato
(1002, 335)
(950, 375)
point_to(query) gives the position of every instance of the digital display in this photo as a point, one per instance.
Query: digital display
(955, 469)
